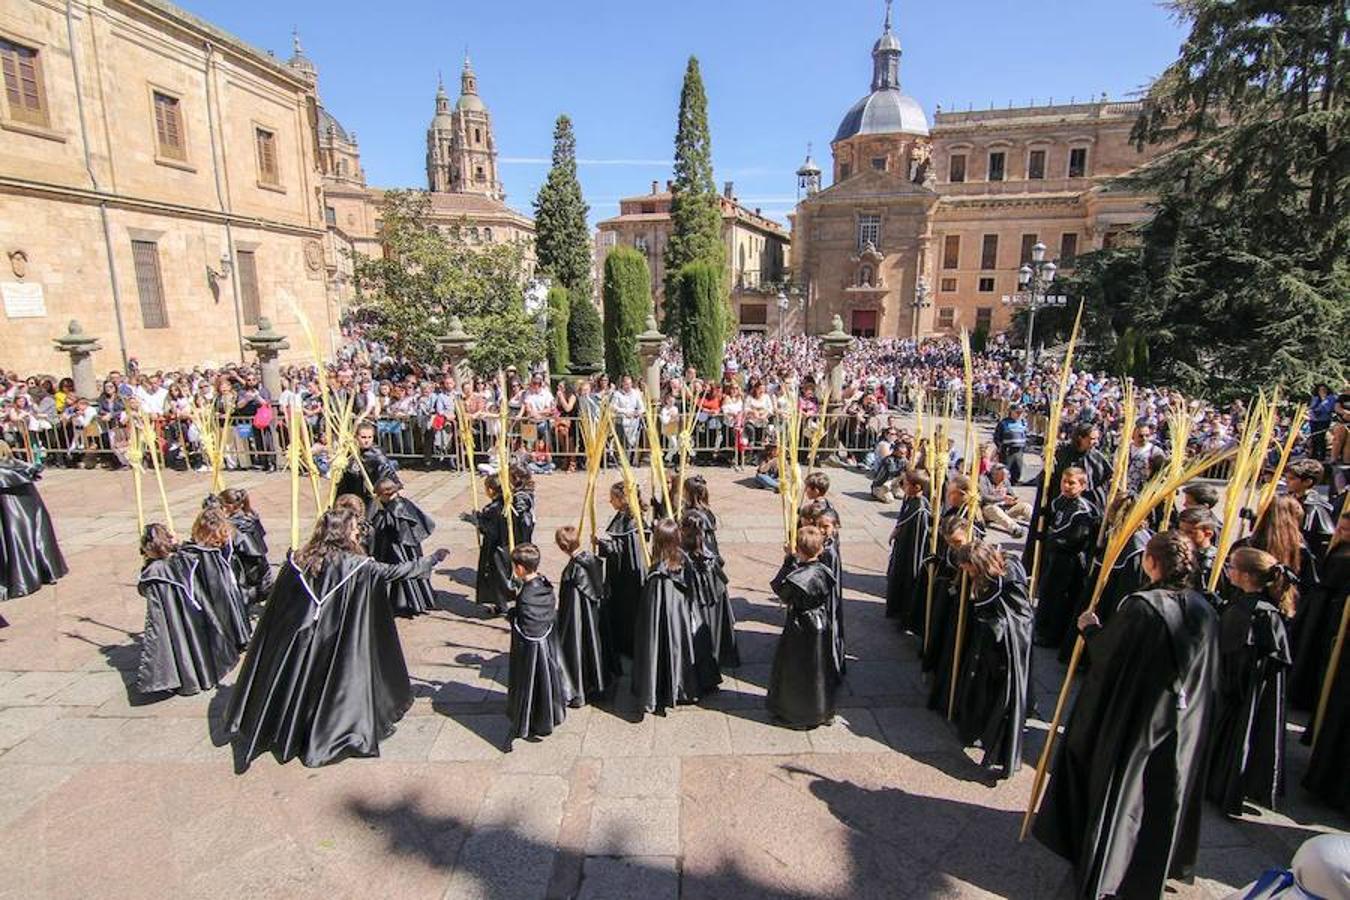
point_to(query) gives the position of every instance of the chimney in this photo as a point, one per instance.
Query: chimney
(655, 185)
(670, 185)
(729, 190)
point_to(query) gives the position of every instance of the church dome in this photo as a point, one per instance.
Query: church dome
(470, 103)
(883, 112)
(327, 122)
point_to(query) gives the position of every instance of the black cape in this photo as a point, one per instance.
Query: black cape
(805, 676)
(537, 689)
(1317, 620)
(1098, 469)
(184, 649)
(707, 584)
(324, 677)
(1249, 752)
(1071, 529)
(909, 546)
(991, 693)
(29, 554)
(941, 624)
(248, 557)
(215, 583)
(397, 530)
(495, 584)
(377, 467)
(833, 558)
(588, 654)
(669, 667)
(1123, 803)
(625, 573)
(1326, 776)
(1127, 576)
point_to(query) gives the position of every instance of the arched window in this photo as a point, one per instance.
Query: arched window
(477, 136)
(473, 234)
(487, 235)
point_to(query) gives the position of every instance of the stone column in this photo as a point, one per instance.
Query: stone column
(267, 344)
(649, 349)
(834, 346)
(455, 344)
(81, 348)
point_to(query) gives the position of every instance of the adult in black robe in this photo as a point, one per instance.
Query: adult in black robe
(909, 547)
(397, 529)
(625, 573)
(805, 676)
(1071, 529)
(1124, 799)
(991, 693)
(1326, 775)
(29, 554)
(184, 647)
(537, 687)
(1249, 754)
(667, 668)
(588, 655)
(215, 583)
(248, 557)
(1319, 616)
(377, 467)
(324, 678)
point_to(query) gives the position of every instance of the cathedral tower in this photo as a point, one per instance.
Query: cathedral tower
(461, 151)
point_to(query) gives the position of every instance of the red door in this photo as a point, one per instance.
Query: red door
(864, 323)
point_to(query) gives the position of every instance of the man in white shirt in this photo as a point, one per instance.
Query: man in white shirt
(540, 408)
(628, 409)
(153, 396)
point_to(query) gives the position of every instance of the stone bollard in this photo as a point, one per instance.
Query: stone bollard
(81, 348)
(455, 344)
(267, 344)
(649, 350)
(834, 346)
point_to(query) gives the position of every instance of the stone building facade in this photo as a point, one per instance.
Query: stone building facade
(756, 249)
(158, 183)
(924, 227)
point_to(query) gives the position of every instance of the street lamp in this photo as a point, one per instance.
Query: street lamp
(1035, 280)
(921, 301)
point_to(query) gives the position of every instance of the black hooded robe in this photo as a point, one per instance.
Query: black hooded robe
(324, 677)
(1072, 528)
(833, 559)
(537, 688)
(1124, 800)
(667, 668)
(707, 580)
(248, 557)
(991, 693)
(941, 618)
(377, 467)
(625, 574)
(1326, 775)
(804, 677)
(492, 583)
(397, 530)
(184, 649)
(588, 655)
(1248, 760)
(215, 582)
(29, 554)
(1127, 576)
(909, 546)
(1315, 625)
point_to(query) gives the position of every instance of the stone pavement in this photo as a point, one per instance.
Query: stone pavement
(105, 793)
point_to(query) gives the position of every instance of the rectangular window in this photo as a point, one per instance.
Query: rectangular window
(1068, 248)
(754, 314)
(330, 215)
(989, 252)
(1109, 240)
(640, 243)
(996, 160)
(845, 170)
(986, 285)
(951, 252)
(956, 168)
(268, 173)
(1078, 162)
(1028, 242)
(879, 163)
(169, 127)
(24, 90)
(248, 286)
(869, 230)
(984, 318)
(149, 284)
(946, 316)
(947, 285)
(1036, 164)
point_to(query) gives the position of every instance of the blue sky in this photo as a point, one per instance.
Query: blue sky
(779, 73)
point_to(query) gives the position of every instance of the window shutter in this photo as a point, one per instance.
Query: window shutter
(248, 286)
(149, 284)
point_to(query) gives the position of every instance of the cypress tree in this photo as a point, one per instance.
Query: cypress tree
(562, 242)
(559, 304)
(585, 344)
(703, 320)
(628, 299)
(695, 211)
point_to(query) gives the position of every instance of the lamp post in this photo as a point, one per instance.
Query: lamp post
(1035, 280)
(922, 300)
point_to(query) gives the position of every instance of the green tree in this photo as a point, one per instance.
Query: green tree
(1239, 280)
(628, 300)
(510, 337)
(695, 211)
(585, 341)
(426, 275)
(703, 323)
(559, 309)
(562, 241)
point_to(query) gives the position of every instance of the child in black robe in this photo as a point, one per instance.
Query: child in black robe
(1199, 527)
(397, 529)
(815, 489)
(213, 577)
(625, 570)
(522, 503)
(588, 655)
(991, 691)
(368, 468)
(537, 690)
(1248, 744)
(1070, 529)
(827, 520)
(248, 546)
(1302, 478)
(909, 548)
(1326, 768)
(707, 573)
(667, 670)
(29, 554)
(494, 582)
(183, 648)
(953, 532)
(804, 677)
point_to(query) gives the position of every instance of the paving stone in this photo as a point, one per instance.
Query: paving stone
(23, 786)
(413, 739)
(552, 755)
(151, 740)
(32, 688)
(67, 741)
(634, 826)
(691, 732)
(511, 848)
(658, 776)
(647, 877)
(608, 735)
(753, 733)
(19, 722)
(853, 731)
(470, 737)
(90, 689)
